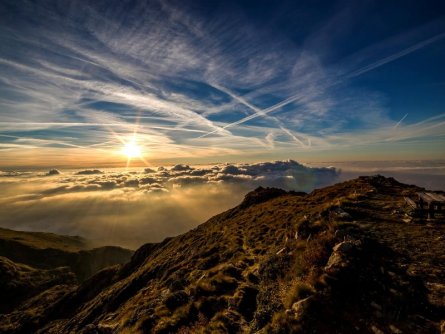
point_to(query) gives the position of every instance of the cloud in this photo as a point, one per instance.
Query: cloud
(180, 167)
(12, 173)
(288, 174)
(173, 75)
(129, 208)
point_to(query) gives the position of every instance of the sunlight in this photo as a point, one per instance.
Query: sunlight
(131, 149)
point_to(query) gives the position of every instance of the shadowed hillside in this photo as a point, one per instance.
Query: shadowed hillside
(32, 262)
(338, 260)
(48, 251)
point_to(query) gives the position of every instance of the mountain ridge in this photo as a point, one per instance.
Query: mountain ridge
(278, 263)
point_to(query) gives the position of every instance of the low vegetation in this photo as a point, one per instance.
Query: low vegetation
(340, 259)
(49, 251)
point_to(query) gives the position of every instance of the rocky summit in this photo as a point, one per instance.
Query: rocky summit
(343, 259)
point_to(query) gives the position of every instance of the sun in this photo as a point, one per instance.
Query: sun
(131, 150)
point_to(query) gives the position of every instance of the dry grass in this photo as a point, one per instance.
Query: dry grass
(299, 290)
(248, 259)
(317, 251)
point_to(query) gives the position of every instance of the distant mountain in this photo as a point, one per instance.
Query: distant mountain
(19, 282)
(31, 262)
(338, 260)
(49, 250)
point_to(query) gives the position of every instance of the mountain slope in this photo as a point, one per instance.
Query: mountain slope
(338, 260)
(49, 251)
(19, 282)
(42, 240)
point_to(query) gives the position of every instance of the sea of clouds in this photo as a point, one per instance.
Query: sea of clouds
(135, 206)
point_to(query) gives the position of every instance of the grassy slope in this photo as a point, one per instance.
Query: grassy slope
(243, 271)
(49, 251)
(41, 240)
(19, 282)
(32, 262)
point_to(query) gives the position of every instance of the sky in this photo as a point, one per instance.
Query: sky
(218, 81)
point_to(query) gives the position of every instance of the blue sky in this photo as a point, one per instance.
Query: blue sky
(208, 81)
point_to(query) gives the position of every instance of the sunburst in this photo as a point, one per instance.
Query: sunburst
(132, 150)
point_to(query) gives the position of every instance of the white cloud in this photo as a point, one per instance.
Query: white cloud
(132, 207)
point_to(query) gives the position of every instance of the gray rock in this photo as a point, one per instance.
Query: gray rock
(339, 258)
(346, 246)
(300, 307)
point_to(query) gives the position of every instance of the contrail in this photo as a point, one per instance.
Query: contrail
(79, 124)
(355, 73)
(49, 141)
(397, 55)
(258, 112)
(290, 134)
(398, 123)
(291, 99)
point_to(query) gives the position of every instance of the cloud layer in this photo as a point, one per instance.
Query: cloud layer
(133, 207)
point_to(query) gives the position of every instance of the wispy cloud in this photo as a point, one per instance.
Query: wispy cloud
(192, 85)
(400, 122)
(335, 81)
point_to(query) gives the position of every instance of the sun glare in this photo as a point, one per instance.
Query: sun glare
(131, 150)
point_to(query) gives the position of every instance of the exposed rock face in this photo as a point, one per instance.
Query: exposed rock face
(243, 271)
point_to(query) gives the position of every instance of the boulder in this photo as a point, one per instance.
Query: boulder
(341, 256)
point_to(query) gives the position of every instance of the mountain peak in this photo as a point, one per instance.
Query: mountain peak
(260, 195)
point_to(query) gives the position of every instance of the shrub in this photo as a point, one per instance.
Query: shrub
(219, 284)
(225, 322)
(276, 266)
(317, 251)
(176, 300)
(209, 262)
(232, 271)
(247, 302)
(212, 305)
(283, 324)
(268, 303)
(182, 317)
